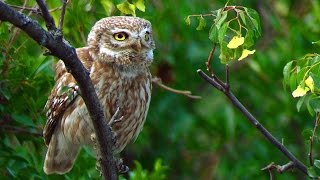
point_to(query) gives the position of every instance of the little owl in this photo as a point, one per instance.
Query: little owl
(118, 56)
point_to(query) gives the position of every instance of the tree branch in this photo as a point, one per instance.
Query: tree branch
(279, 168)
(46, 15)
(158, 82)
(299, 165)
(63, 11)
(62, 50)
(310, 154)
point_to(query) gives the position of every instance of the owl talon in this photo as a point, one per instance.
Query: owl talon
(122, 169)
(98, 166)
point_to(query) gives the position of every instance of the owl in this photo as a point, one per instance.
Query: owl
(118, 54)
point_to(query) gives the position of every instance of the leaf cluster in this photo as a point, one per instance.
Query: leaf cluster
(296, 73)
(229, 22)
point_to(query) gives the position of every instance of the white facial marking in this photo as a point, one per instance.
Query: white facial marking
(149, 56)
(106, 51)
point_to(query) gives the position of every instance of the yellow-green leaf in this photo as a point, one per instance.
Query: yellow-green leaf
(140, 5)
(188, 20)
(309, 82)
(202, 23)
(235, 42)
(127, 8)
(246, 53)
(300, 91)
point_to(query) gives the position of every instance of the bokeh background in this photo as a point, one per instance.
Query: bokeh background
(182, 138)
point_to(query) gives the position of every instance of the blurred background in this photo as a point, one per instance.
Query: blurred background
(182, 138)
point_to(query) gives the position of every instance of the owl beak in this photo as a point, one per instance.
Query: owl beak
(137, 46)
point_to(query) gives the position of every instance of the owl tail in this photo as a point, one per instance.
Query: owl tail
(61, 155)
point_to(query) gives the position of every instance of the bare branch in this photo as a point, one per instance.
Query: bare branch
(158, 82)
(208, 63)
(280, 169)
(310, 154)
(62, 50)
(23, 8)
(63, 11)
(255, 122)
(227, 84)
(46, 16)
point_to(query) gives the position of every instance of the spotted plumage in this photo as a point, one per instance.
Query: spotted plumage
(118, 55)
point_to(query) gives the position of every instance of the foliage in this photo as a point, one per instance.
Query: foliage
(302, 76)
(195, 139)
(222, 31)
(158, 172)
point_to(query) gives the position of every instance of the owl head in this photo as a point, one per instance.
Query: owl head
(124, 41)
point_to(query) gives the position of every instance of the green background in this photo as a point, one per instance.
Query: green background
(182, 138)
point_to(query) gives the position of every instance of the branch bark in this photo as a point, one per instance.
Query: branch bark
(225, 89)
(64, 51)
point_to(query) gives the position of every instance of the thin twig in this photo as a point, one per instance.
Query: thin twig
(158, 82)
(279, 168)
(208, 63)
(63, 11)
(310, 154)
(227, 84)
(23, 8)
(255, 122)
(33, 9)
(46, 15)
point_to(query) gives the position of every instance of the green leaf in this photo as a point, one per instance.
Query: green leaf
(108, 6)
(226, 54)
(312, 172)
(127, 8)
(222, 31)
(286, 72)
(300, 102)
(293, 82)
(316, 43)
(254, 18)
(221, 19)
(188, 20)
(315, 104)
(202, 23)
(309, 107)
(301, 74)
(138, 173)
(158, 171)
(140, 5)
(248, 39)
(213, 34)
(243, 17)
(317, 163)
(25, 120)
(306, 134)
(316, 79)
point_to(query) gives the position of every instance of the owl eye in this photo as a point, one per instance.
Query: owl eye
(121, 36)
(147, 36)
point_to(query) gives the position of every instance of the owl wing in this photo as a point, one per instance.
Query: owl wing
(63, 94)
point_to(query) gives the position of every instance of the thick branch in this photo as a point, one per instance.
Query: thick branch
(255, 122)
(67, 53)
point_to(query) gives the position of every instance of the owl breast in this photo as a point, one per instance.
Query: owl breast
(131, 94)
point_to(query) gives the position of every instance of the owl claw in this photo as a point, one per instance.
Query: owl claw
(122, 169)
